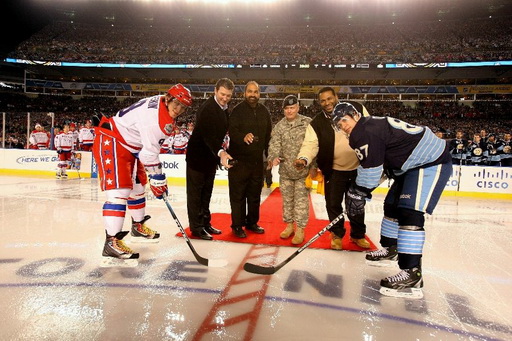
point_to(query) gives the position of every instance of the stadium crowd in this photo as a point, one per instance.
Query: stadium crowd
(463, 40)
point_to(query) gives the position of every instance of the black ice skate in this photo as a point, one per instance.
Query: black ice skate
(407, 283)
(140, 233)
(116, 253)
(383, 257)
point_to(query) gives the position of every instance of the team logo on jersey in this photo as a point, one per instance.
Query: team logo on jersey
(477, 151)
(169, 128)
(507, 149)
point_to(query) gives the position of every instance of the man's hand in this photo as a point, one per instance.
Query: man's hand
(224, 158)
(355, 200)
(250, 138)
(270, 164)
(299, 164)
(158, 185)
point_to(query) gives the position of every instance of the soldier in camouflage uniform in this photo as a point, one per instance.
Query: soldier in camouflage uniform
(285, 143)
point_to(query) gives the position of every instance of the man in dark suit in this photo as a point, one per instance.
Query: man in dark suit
(204, 154)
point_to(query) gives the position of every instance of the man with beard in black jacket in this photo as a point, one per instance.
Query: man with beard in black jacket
(249, 131)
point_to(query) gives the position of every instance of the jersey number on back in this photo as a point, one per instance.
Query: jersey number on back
(408, 128)
(362, 152)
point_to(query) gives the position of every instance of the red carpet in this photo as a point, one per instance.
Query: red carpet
(271, 219)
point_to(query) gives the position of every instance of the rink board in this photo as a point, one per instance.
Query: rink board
(476, 181)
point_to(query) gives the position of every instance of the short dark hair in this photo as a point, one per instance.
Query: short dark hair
(225, 83)
(325, 89)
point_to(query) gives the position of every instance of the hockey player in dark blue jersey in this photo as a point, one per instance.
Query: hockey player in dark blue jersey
(420, 165)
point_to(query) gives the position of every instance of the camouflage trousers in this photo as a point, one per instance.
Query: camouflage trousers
(295, 201)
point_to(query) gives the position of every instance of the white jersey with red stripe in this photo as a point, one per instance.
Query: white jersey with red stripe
(180, 142)
(74, 133)
(86, 135)
(143, 127)
(166, 147)
(39, 139)
(65, 141)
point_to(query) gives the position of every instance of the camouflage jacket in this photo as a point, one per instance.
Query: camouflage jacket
(285, 142)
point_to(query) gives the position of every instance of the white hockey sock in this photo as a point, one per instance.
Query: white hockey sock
(113, 217)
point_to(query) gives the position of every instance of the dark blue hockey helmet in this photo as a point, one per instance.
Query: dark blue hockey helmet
(343, 109)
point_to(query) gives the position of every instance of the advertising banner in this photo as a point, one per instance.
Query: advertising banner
(469, 179)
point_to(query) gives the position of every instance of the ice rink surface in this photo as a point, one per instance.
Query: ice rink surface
(52, 287)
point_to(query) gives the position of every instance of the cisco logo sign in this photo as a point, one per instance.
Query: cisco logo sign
(493, 178)
(481, 179)
(492, 184)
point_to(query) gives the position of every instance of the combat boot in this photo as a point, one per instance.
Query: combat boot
(299, 236)
(288, 231)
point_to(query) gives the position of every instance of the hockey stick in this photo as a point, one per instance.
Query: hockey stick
(75, 163)
(269, 270)
(214, 263)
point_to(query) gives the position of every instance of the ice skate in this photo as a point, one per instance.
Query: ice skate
(64, 176)
(287, 232)
(383, 257)
(407, 284)
(140, 233)
(57, 176)
(117, 254)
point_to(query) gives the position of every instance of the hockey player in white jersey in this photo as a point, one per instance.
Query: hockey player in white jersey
(86, 136)
(64, 144)
(38, 138)
(420, 164)
(126, 148)
(180, 142)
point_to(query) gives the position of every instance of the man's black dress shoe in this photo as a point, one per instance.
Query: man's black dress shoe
(256, 229)
(239, 232)
(212, 230)
(202, 234)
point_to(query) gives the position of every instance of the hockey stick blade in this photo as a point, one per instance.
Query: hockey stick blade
(214, 263)
(260, 270)
(270, 270)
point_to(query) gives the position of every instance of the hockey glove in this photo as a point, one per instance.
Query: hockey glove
(355, 199)
(158, 185)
